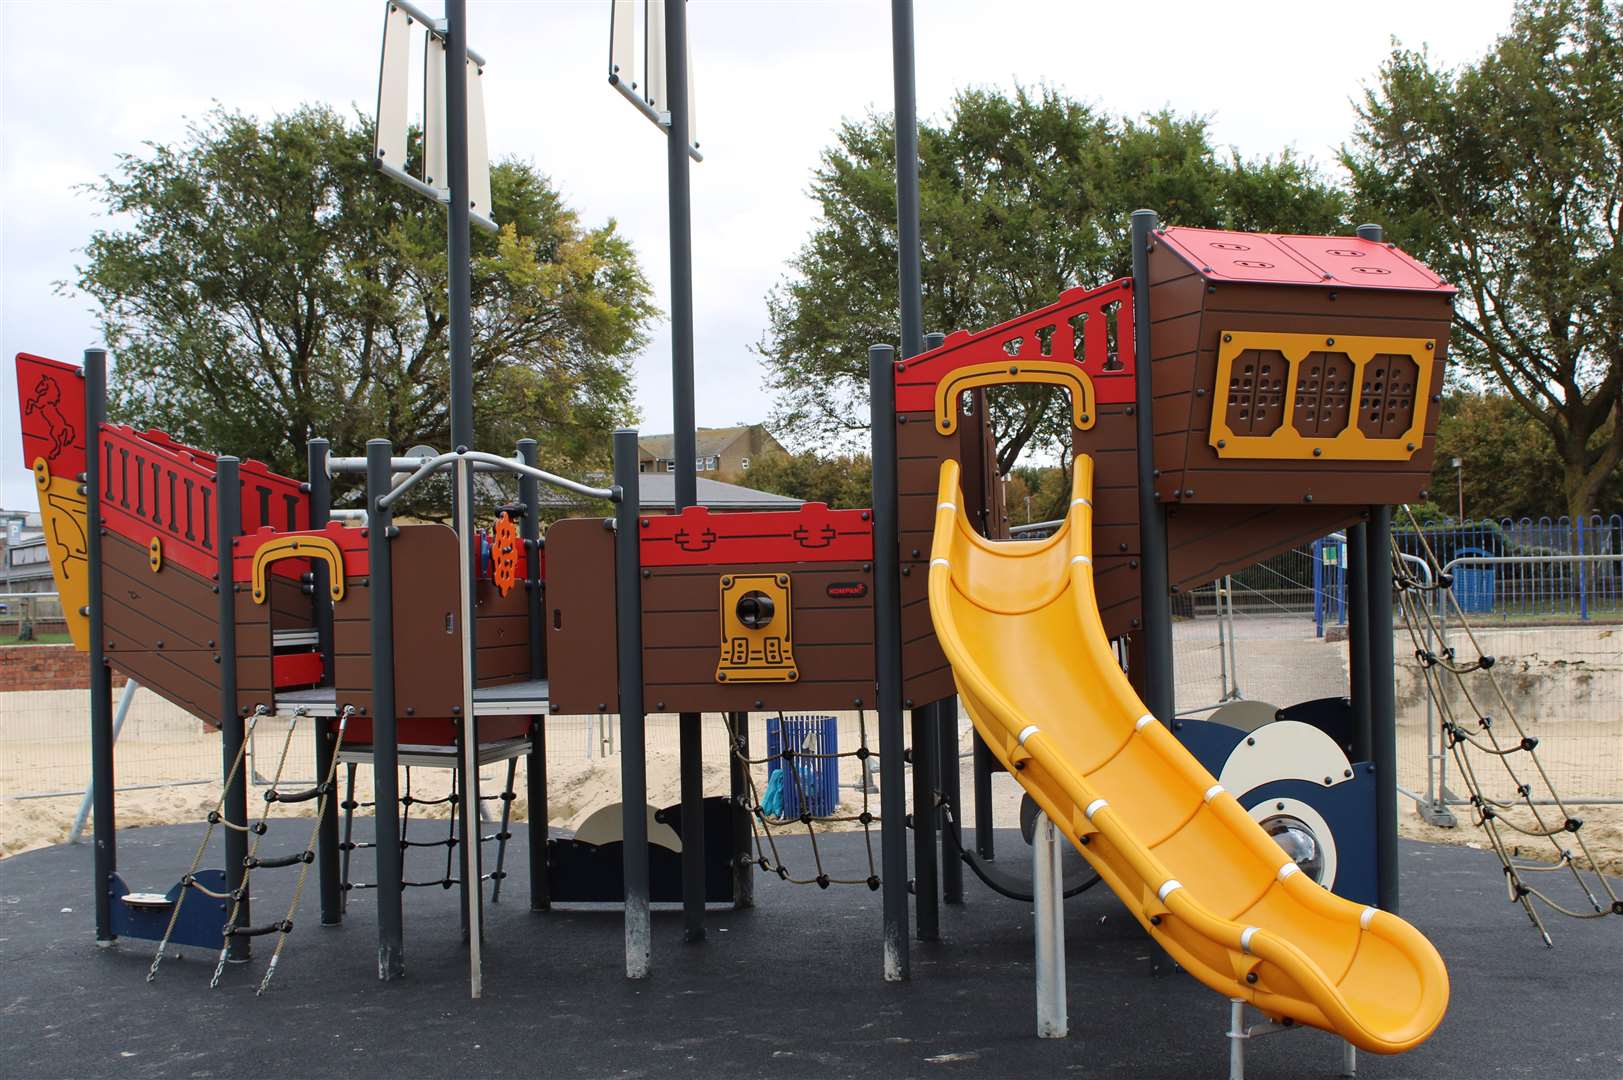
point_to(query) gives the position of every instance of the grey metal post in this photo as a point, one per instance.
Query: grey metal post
(983, 797)
(946, 740)
(633, 748)
(684, 438)
(101, 677)
(459, 244)
(228, 527)
(926, 879)
(1155, 683)
(952, 864)
(535, 764)
(908, 255)
(385, 749)
(743, 834)
(888, 660)
(1358, 627)
(326, 736)
(1383, 705)
(1047, 890)
(473, 886)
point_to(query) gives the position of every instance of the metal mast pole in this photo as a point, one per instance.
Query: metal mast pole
(685, 436)
(1154, 683)
(459, 246)
(925, 719)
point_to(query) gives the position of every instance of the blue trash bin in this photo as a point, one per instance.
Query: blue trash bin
(814, 787)
(1474, 584)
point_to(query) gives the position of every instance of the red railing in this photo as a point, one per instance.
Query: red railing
(1092, 328)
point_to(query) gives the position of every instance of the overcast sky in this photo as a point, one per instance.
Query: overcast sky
(83, 82)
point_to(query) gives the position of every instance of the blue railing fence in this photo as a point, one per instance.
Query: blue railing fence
(1534, 585)
(807, 745)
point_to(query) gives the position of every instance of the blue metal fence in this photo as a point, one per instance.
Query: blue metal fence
(1531, 586)
(807, 745)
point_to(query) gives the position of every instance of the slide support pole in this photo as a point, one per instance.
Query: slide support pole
(1047, 888)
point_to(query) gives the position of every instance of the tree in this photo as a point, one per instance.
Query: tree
(1511, 467)
(1022, 196)
(263, 285)
(843, 481)
(1507, 177)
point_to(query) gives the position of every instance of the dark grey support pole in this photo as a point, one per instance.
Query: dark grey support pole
(385, 748)
(1383, 704)
(690, 731)
(535, 764)
(228, 527)
(983, 797)
(926, 877)
(633, 721)
(101, 676)
(326, 734)
(1358, 627)
(743, 834)
(952, 863)
(949, 775)
(887, 603)
(459, 245)
(1378, 715)
(908, 256)
(1154, 683)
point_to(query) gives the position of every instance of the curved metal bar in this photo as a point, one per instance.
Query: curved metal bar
(480, 457)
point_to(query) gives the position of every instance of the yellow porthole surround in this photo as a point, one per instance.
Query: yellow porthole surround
(1350, 444)
(1070, 376)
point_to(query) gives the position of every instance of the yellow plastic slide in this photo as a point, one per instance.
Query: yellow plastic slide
(1019, 622)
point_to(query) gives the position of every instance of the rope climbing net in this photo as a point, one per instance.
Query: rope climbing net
(282, 927)
(789, 758)
(1477, 739)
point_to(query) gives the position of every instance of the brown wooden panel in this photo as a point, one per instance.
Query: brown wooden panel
(126, 570)
(1347, 305)
(1206, 542)
(498, 664)
(696, 588)
(760, 697)
(696, 665)
(293, 608)
(1166, 265)
(139, 621)
(1324, 394)
(423, 562)
(580, 617)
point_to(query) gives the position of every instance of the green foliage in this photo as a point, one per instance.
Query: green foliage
(1022, 196)
(1510, 465)
(261, 285)
(1506, 176)
(844, 482)
(1048, 488)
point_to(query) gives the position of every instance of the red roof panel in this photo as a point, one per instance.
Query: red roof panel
(1267, 258)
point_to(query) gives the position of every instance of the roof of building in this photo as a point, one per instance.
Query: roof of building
(658, 492)
(707, 441)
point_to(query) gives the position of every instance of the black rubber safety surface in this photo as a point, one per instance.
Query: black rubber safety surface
(791, 988)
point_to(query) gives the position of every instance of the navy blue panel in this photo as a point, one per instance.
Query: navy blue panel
(1349, 808)
(1210, 743)
(201, 922)
(1331, 715)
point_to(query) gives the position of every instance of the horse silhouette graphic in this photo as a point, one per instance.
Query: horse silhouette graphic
(47, 402)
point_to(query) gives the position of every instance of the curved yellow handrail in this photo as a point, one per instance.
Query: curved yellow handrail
(1019, 621)
(299, 547)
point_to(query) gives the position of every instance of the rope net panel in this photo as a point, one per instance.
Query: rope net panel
(765, 831)
(1496, 742)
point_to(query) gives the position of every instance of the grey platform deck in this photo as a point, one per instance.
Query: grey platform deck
(519, 698)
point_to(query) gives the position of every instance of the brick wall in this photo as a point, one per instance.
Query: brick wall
(46, 667)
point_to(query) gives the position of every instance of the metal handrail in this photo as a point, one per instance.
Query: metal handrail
(428, 466)
(1035, 526)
